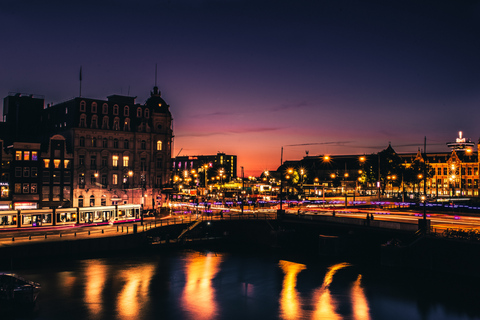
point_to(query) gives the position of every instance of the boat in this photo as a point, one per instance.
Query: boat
(16, 292)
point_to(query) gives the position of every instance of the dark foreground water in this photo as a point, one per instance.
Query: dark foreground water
(239, 285)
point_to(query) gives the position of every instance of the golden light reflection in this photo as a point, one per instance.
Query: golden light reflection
(67, 280)
(325, 306)
(290, 306)
(95, 281)
(361, 310)
(198, 297)
(135, 293)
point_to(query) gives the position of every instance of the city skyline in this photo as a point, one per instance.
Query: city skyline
(250, 77)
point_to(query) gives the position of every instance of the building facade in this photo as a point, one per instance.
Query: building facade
(89, 152)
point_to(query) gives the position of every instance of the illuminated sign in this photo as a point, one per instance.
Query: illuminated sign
(192, 158)
(3, 184)
(25, 205)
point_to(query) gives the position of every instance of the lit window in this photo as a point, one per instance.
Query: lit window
(115, 178)
(18, 155)
(18, 188)
(56, 163)
(115, 161)
(125, 161)
(47, 163)
(26, 188)
(34, 156)
(159, 145)
(26, 155)
(33, 188)
(65, 163)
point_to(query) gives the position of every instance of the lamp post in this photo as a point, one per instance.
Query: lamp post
(130, 174)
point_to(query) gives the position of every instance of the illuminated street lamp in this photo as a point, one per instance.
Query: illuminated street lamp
(130, 174)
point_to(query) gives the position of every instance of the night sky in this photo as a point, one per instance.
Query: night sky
(248, 77)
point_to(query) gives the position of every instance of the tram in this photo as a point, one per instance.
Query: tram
(69, 216)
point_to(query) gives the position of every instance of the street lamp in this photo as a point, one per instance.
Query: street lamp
(130, 174)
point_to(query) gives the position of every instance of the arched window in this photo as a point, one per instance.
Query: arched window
(116, 123)
(115, 109)
(159, 145)
(139, 112)
(82, 106)
(103, 201)
(82, 141)
(105, 123)
(105, 108)
(105, 143)
(126, 125)
(92, 201)
(94, 142)
(147, 113)
(126, 111)
(83, 121)
(94, 122)
(94, 107)
(143, 145)
(126, 144)
(115, 143)
(80, 201)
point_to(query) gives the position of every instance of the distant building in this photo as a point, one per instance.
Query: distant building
(214, 168)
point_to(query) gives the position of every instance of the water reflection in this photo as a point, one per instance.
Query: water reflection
(361, 311)
(135, 293)
(95, 271)
(290, 306)
(325, 305)
(198, 297)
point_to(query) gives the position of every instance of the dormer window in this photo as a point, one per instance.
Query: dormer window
(105, 108)
(147, 113)
(115, 109)
(126, 111)
(94, 107)
(139, 112)
(82, 106)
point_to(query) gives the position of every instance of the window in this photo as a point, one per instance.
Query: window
(56, 177)
(81, 160)
(116, 123)
(159, 163)
(126, 125)
(83, 121)
(94, 122)
(469, 171)
(104, 162)
(104, 181)
(115, 143)
(34, 172)
(143, 164)
(18, 188)
(105, 108)
(125, 161)
(92, 201)
(26, 155)
(26, 188)
(46, 177)
(94, 107)
(115, 109)
(139, 112)
(445, 171)
(18, 155)
(80, 201)
(126, 111)
(115, 178)
(82, 141)
(143, 145)
(93, 179)
(115, 161)
(26, 172)
(34, 155)
(159, 145)
(439, 171)
(33, 188)
(82, 106)
(103, 201)
(56, 163)
(105, 123)
(105, 143)
(81, 180)
(18, 172)
(147, 113)
(93, 162)
(47, 163)
(126, 144)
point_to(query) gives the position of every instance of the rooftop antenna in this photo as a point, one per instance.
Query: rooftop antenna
(80, 78)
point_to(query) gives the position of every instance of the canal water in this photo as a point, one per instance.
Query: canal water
(205, 284)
